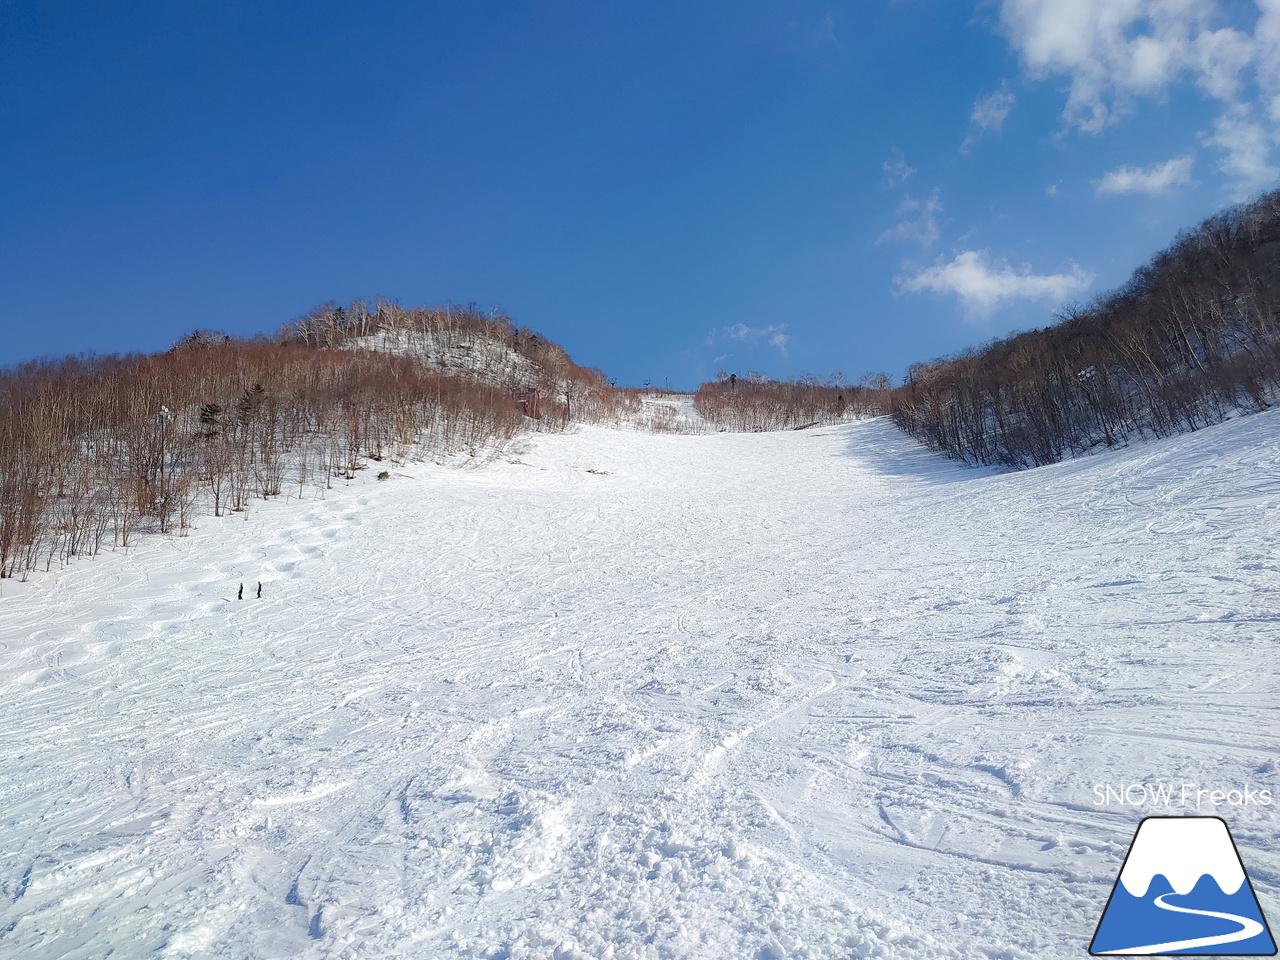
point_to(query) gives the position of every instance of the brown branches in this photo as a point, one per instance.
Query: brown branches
(89, 450)
(754, 403)
(1192, 336)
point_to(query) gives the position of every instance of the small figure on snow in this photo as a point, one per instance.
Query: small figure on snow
(259, 589)
(240, 595)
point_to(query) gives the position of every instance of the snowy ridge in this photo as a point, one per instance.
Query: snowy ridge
(812, 694)
(1182, 849)
(463, 353)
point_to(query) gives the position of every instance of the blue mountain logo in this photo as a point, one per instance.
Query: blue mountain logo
(1183, 890)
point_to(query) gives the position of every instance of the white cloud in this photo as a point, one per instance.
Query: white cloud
(1153, 180)
(988, 115)
(1266, 37)
(923, 228)
(1246, 152)
(1101, 46)
(1222, 55)
(989, 112)
(774, 334)
(983, 286)
(1115, 52)
(740, 331)
(896, 170)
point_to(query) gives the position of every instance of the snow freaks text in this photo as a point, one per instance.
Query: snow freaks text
(1189, 795)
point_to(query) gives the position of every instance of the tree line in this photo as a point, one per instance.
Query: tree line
(754, 403)
(95, 449)
(1190, 338)
(464, 342)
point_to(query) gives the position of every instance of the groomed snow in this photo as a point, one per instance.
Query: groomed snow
(816, 694)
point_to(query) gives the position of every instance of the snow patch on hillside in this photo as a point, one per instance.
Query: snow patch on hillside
(462, 353)
(668, 413)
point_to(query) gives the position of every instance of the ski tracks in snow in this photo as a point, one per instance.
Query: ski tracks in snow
(811, 694)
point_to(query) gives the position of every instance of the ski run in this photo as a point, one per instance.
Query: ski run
(816, 694)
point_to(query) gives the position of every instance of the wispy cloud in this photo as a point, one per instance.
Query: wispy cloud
(1156, 179)
(827, 36)
(1246, 153)
(988, 115)
(1112, 52)
(775, 335)
(896, 170)
(989, 112)
(919, 224)
(983, 286)
(1115, 52)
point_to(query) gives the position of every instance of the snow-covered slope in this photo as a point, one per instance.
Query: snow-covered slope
(465, 354)
(814, 694)
(668, 413)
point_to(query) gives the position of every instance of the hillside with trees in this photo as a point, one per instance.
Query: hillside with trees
(754, 403)
(94, 450)
(1190, 339)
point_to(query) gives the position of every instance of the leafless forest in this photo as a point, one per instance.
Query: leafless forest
(1192, 337)
(754, 403)
(95, 450)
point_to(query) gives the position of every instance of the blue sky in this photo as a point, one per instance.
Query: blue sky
(667, 189)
